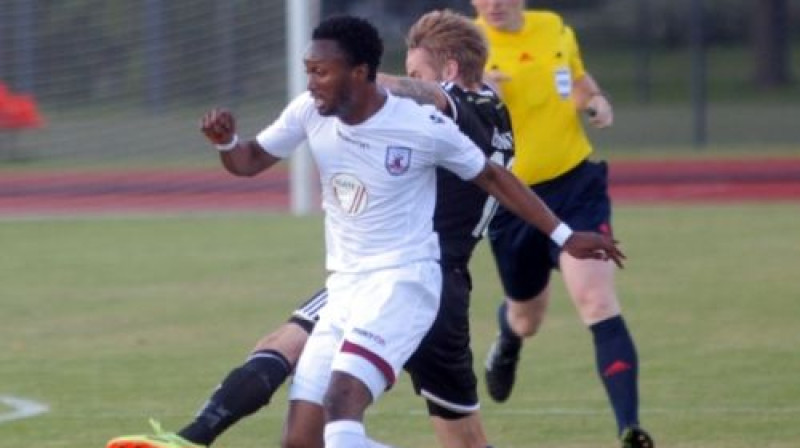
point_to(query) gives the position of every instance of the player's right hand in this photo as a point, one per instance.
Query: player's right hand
(601, 114)
(219, 126)
(593, 245)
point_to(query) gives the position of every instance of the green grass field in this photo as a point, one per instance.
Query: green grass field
(110, 321)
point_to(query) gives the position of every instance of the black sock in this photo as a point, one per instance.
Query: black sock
(244, 391)
(511, 343)
(618, 367)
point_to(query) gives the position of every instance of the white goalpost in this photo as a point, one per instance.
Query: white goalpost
(300, 14)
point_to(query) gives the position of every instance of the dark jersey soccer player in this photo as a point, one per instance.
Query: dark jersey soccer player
(443, 46)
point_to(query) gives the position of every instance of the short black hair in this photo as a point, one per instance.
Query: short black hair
(358, 38)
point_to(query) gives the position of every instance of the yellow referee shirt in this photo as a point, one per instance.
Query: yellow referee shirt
(542, 60)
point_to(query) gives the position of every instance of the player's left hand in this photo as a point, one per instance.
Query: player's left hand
(593, 245)
(601, 115)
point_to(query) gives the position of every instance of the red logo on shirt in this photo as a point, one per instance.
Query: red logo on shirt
(525, 57)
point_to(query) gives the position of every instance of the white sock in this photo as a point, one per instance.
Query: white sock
(345, 434)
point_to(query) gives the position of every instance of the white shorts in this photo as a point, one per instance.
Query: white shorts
(371, 325)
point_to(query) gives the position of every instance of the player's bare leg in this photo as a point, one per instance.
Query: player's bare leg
(465, 432)
(346, 401)
(518, 320)
(590, 284)
(303, 426)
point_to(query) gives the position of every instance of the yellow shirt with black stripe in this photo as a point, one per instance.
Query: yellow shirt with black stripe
(542, 60)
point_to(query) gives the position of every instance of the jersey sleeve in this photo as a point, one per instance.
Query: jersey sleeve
(289, 130)
(574, 52)
(457, 153)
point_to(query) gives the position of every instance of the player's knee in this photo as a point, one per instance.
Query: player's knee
(346, 398)
(595, 306)
(524, 327)
(526, 321)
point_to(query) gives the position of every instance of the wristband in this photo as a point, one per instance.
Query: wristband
(230, 145)
(561, 234)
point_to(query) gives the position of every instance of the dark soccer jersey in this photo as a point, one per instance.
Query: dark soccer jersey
(463, 210)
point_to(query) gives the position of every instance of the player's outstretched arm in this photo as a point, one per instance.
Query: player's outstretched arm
(518, 198)
(423, 92)
(242, 158)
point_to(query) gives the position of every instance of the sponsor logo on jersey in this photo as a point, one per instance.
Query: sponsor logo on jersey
(351, 193)
(369, 335)
(351, 140)
(398, 160)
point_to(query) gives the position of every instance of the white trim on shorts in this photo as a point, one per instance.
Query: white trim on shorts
(450, 406)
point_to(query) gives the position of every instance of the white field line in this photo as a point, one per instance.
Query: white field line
(20, 408)
(713, 410)
(693, 412)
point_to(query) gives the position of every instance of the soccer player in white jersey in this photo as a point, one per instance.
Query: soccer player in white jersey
(377, 156)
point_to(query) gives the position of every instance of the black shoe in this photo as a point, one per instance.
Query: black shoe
(636, 437)
(501, 369)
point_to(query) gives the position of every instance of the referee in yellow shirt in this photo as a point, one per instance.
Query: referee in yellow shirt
(535, 62)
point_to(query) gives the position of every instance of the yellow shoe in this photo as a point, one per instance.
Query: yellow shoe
(159, 439)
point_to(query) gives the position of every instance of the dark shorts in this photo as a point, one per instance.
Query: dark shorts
(525, 256)
(441, 368)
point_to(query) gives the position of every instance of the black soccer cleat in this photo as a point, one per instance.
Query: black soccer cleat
(636, 437)
(501, 369)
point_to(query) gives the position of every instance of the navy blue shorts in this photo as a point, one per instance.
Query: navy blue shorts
(525, 256)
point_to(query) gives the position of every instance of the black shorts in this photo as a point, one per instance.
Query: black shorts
(525, 256)
(441, 368)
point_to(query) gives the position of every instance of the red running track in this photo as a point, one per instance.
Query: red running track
(213, 190)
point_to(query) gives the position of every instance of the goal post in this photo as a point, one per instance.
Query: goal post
(300, 14)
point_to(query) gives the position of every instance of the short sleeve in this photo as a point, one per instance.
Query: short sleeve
(457, 153)
(289, 130)
(574, 52)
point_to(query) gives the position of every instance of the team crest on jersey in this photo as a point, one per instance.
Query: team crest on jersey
(398, 160)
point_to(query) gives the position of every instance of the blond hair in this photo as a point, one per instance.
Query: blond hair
(448, 35)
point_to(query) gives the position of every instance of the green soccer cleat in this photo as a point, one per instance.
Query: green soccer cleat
(159, 439)
(636, 437)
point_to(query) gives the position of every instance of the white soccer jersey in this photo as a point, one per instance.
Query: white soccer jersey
(378, 177)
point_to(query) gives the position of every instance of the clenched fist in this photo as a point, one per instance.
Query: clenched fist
(601, 115)
(219, 126)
